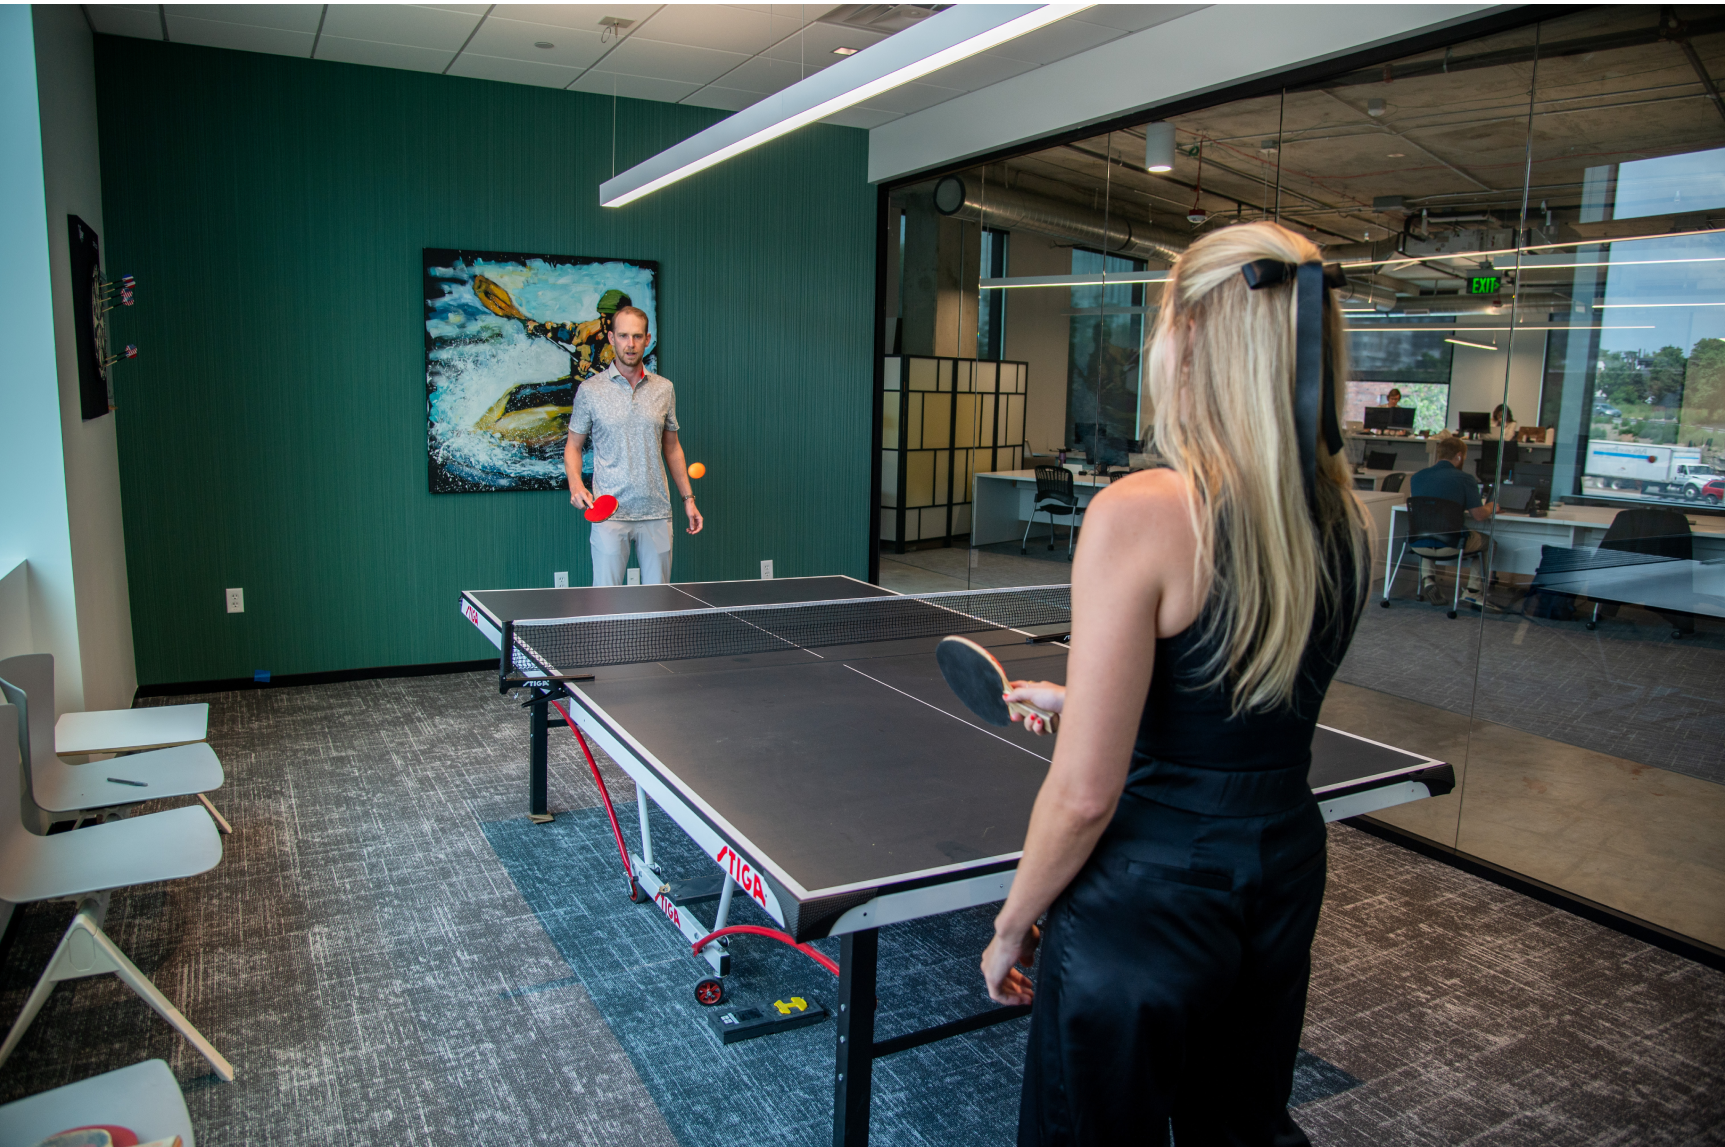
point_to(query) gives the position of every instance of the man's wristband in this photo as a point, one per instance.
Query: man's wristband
(688, 497)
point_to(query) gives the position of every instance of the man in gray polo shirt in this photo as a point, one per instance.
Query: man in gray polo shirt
(632, 418)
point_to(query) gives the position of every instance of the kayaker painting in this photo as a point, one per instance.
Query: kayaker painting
(508, 337)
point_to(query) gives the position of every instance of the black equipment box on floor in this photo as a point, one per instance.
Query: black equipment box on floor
(736, 1024)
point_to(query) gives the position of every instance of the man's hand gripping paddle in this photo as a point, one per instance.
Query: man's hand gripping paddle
(603, 507)
(975, 675)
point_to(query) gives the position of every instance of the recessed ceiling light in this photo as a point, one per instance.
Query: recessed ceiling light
(1398, 155)
(846, 51)
(543, 44)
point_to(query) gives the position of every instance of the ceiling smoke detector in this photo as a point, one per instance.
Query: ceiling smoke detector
(1375, 107)
(1197, 215)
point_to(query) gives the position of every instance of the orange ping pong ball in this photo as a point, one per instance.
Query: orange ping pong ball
(697, 469)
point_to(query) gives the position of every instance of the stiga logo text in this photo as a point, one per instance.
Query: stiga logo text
(747, 878)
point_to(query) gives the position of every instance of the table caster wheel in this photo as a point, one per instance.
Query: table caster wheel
(710, 992)
(637, 893)
(1591, 625)
(1384, 601)
(1452, 615)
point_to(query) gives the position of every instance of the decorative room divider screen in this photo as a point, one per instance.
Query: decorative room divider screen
(944, 420)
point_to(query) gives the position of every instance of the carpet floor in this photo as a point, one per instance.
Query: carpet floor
(389, 952)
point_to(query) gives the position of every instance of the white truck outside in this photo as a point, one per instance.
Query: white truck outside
(1670, 470)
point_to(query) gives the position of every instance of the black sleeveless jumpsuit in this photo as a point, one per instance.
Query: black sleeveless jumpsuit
(1171, 984)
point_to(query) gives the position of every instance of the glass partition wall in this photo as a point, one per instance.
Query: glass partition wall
(1533, 226)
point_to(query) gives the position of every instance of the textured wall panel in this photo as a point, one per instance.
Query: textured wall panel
(272, 431)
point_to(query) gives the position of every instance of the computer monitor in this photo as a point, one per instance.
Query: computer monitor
(1378, 417)
(1473, 421)
(1516, 498)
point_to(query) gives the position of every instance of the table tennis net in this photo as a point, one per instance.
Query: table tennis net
(581, 643)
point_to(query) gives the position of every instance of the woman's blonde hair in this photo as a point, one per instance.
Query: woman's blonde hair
(1221, 379)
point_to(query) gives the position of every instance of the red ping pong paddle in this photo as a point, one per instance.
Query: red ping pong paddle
(975, 675)
(603, 507)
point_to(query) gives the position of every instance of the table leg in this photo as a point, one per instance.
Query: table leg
(538, 737)
(855, 1070)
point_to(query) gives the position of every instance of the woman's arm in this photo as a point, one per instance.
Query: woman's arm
(1131, 579)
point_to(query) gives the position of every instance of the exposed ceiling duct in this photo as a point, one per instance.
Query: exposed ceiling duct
(1022, 211)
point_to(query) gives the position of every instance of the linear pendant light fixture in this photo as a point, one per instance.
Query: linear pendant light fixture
(958, 33)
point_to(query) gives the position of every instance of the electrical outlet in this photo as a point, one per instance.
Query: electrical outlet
(560, 579)
(767, 570)
(634, 576)
(236, 601)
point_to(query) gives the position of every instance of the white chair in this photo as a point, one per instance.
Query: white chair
(133, 730)
(75, 792)
(144, 1098)
(86, 865)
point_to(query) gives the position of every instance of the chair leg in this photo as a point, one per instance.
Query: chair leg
(221, 821)
(1391, 580)
(1024, 546)
(85, 950)
(1071, 528)
(1455, 598)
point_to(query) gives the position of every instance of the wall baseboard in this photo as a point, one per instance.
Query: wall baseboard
(286, 680)
(1644, 930)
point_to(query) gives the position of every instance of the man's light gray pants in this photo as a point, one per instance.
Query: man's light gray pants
(610, 544)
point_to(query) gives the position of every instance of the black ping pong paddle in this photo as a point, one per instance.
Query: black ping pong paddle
(975, 675)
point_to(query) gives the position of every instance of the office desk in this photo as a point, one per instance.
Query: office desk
(1518, 538)
(1001, 503)
(1374, 479)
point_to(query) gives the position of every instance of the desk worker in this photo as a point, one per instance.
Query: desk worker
(632, 418)
(1446, 479)
(1175, 845)
(1393, 399)
(1503, 424)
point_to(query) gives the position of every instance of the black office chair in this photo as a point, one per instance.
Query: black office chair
(1056, 498)
(1437, 529)
(1657, 533)
(1380, 460)
(1486, 468)
(1393, 482)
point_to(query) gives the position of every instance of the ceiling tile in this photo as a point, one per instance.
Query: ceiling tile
(240, 37)
(725, 99)
(632, 87)
(289, 17)
(581, 17)
(762, 76)
(514, 40)
(345, 51)
(979, 72)
(908, 98)
(477, 66)
(406, 24)
(695, 66)
(1055, 42)
(816, 43)
(860, 117)
(126, 20)
(721, 26)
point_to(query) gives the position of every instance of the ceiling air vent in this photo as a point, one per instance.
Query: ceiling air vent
(884, 18)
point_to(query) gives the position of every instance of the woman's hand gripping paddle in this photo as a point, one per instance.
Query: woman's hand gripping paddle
(603, 507)
(975, 675)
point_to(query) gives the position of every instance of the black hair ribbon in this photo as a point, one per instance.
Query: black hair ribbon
(1314, 380)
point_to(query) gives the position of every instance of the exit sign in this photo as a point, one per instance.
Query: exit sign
(1482, 285)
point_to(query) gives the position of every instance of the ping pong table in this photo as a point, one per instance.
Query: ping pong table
(799, 731)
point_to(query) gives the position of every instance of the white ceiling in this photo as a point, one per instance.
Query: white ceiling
(709, 55)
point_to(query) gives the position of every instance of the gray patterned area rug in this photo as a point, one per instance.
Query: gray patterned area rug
(380, 968)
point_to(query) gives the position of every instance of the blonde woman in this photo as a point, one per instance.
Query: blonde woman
(1175, 847)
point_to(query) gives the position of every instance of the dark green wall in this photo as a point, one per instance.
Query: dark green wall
(272, 429)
